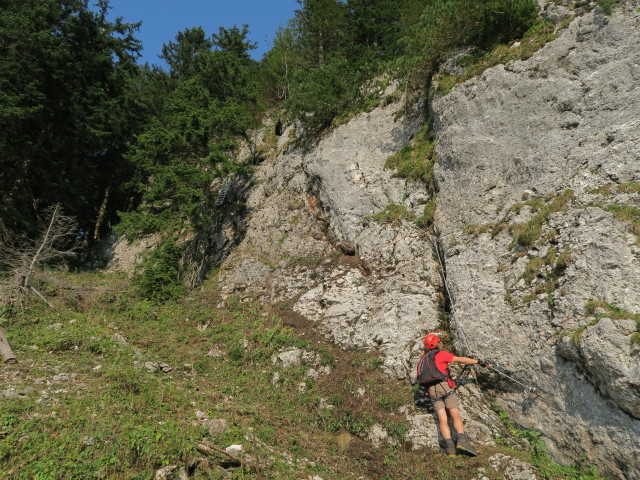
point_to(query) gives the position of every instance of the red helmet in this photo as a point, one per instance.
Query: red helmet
(431, 340)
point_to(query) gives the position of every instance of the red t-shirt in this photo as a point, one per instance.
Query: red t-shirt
(443, 359)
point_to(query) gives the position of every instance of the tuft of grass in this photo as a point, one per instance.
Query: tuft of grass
(393, 214)
(428, 216)
(526, 234)
(610, 189)
(445, 83)
(599, 310)
(532, 269)
(627, 213)
(477, 230)
(551, 268)
(415, 161)
(622, 212)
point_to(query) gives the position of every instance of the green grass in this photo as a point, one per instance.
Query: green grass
(627, 213)
(415, 161)
(607, 6)
(599, 310)
(477, 230)
(550, 268)
(429, 213)
(622, 212)
(538, 454)
(393, 214)
(86, 406)
(526, 234)
(610, 189)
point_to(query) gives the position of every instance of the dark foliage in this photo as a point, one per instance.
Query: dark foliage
(67, 110)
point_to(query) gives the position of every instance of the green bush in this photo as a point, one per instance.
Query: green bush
(532, 269)
(136, 224)
(415, 161)
(322, 94)
(607, 6)
(504, 20)
(426, 220)
(158, 276)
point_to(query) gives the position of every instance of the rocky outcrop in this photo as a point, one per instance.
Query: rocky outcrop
(312, 245)
(538, 174)
(539, 178)
(311, 241)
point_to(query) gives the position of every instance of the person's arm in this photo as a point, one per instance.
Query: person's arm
(469, 361)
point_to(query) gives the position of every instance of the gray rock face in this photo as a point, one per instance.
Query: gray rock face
(510, 144)
(307, 206)
(538, 173)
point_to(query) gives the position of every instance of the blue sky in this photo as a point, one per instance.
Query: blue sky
(163, 19)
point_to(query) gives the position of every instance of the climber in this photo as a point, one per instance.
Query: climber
(433, 373)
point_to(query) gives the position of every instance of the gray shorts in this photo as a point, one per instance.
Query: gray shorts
(439, 390)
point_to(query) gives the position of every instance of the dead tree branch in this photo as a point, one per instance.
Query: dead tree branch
(21, 256)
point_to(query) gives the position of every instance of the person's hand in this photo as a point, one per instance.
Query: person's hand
(483, 363)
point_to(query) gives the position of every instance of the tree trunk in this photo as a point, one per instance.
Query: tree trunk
(101, 215)
(5, 350)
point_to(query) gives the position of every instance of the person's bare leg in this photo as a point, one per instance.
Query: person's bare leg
(458, 425)
(463, 442)
(443, 420)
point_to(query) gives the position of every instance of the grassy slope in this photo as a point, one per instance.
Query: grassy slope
(81, 404)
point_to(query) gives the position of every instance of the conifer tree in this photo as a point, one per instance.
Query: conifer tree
(66, 112)
(192, 136)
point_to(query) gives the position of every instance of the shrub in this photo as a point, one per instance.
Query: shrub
(504, 20)
(158, 276)
(607, 6)
(426, 220)
(415, 161)
(533, 268)
(136, 224)
(321, 94)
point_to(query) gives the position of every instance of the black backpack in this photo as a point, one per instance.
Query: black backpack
(428, 373)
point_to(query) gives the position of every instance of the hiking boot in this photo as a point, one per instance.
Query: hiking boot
(449, 447)
(465, 446)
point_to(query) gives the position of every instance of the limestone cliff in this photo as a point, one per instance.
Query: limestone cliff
(537, 161)
(538, 172)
